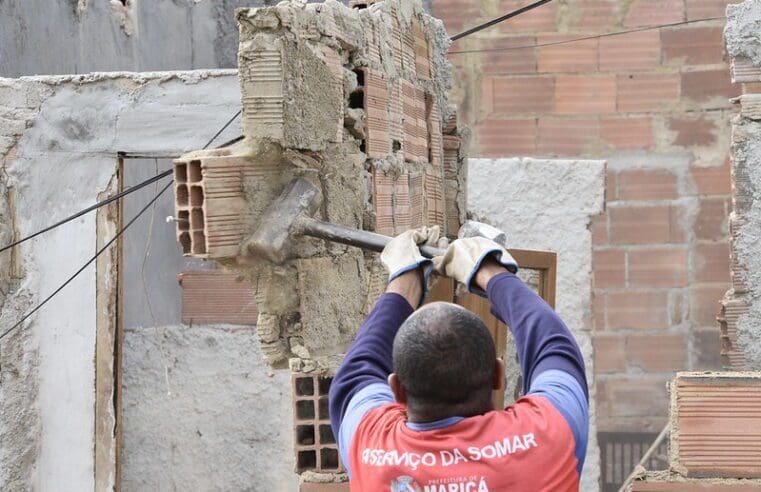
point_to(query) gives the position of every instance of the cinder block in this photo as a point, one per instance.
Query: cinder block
(716, 425)
(217, 297)
(314, 442)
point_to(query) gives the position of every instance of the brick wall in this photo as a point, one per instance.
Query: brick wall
(655, 104)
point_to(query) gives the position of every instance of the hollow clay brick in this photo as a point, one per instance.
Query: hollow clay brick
(731, 310)
(216, 297)
(377, 115)
(744, 71)
(737, 271)
(716, 425)
(210, 204)
(434, 198)
(679, 484)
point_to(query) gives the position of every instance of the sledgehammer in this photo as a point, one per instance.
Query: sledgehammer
(290, 216)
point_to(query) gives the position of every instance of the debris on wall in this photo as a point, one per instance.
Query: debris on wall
(740, 316)
(353, 100)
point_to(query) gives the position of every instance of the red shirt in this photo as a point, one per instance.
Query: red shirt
(519, 448)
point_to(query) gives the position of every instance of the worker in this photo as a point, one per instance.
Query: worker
(411, 404)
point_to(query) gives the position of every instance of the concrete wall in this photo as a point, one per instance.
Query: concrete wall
(549, 205)
(58, 149)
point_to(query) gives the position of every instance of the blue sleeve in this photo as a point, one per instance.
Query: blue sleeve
(368, 362)
(542, 340)
(567, 396)
(371, 396)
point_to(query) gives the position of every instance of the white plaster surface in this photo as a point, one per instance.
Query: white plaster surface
(59, 165)
(224, 424)
(547, 205)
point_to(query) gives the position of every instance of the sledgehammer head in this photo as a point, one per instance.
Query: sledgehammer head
(471, 228)
(279, 222)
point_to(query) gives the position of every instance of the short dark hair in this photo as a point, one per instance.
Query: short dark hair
(444, 356)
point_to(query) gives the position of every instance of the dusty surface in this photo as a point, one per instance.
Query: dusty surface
(225, 424)
(746, 155)
(547, 204)
(741, 33)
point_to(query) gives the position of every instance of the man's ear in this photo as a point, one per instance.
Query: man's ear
(396, 387)
(498, 380)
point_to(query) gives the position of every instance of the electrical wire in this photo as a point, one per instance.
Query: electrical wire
(121, 194)
(89, 262)
(118, 234)
(585, 38)
(503, 18)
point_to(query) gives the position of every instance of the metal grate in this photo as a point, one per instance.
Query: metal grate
(316, 448)
(621, 451)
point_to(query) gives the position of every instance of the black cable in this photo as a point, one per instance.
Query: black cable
(89, 262)
(503, 18)
(121, 194)
(90, 208)
(585, 38)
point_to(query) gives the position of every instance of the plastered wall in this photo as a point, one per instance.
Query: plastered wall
(549, 205)
(58, 146)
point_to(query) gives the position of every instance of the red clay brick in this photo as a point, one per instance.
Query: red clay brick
(633, 51)
(541, 19)
(697, 45)
(324, 487)
(717, 425)
(658, 267)
(651, 484)
(707, 85)
(217, 297)
(704, 304)
(498, 138)
(657, 353)
(710, 262)
(627, 133)
(598, 310)
(582, 94)
(569, 137)
(523, 94)
(457, 14)
(642, 310)
(508, 62)
(705, 9)
(645, 225)
(711, 221)
(691, 131)
(599, 228)
(711, 180)
(579, 56)
(611, 185)
(646, 92)
(592, 14)
(637, 396)
(647, 184)
(706, 349)
(609, 268)
(610, 353)
(653, 12)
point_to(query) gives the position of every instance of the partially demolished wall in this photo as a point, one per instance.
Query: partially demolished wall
(354, 100)
(740, 317)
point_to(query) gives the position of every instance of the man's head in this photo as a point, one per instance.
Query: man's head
(445, 364)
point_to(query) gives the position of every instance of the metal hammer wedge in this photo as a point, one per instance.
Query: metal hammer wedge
(290, 215)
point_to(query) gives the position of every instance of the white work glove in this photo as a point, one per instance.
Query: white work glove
(463, 258)
(402, 254)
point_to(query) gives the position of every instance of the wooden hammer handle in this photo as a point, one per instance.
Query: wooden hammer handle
(353, 237)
